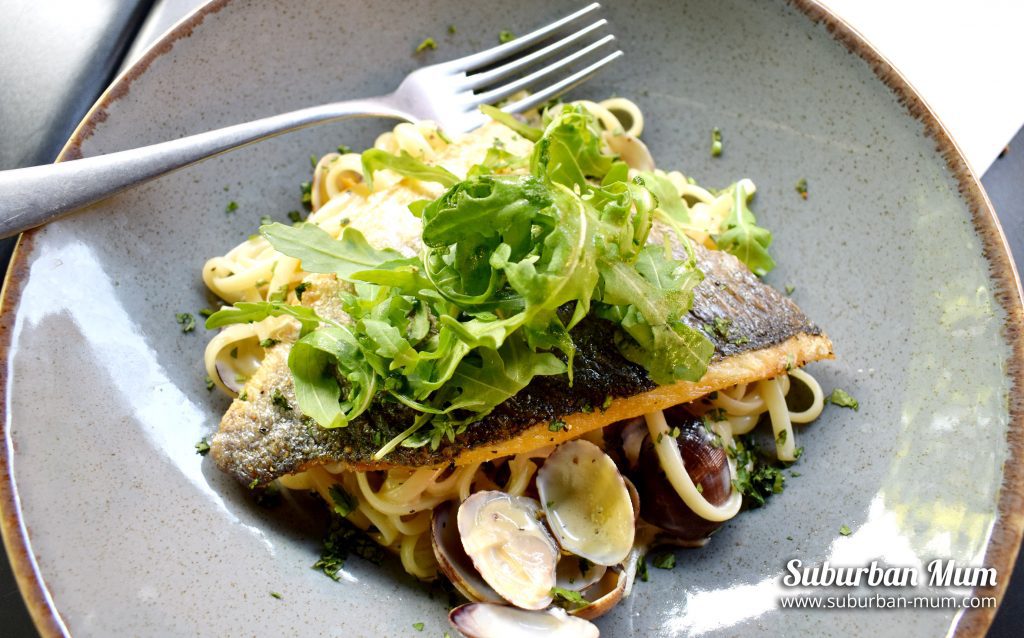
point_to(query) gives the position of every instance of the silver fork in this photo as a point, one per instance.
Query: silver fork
(449, 93)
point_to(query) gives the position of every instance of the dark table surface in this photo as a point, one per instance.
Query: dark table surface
(55, 64)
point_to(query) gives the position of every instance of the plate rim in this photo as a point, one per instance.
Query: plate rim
(1005, 537)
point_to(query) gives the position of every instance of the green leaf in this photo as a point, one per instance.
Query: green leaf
(841, 398)
(250, 311)
(319, 252)
(509, 120)
(406, 165)
(344, 503)
(570, 150)
(669, 201)
(313, 361)
(568, 599)
(483, 206)
(742, 236)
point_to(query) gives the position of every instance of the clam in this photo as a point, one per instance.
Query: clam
(691, 514)
(452, 558)
(577, 574)
(487, 620)
(587, 504)
(509, 546)
(604, 594)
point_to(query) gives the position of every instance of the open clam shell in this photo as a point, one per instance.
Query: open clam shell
(487, 620)
(452, 558)
(510, 547)
(588, 506)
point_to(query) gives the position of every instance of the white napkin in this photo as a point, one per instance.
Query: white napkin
(964, 58)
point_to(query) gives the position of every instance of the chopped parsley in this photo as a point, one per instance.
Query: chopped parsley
(203, 447)
(451, 29)
(279, 400)
(276, 595)
(801, 187)
(664, 561)
(556, 425)
(301, 288)
(268, 343)
(231, 207)
(341, 540)
(313, 160)
(607, 403)
(506, 36)
(790, 288)
(428, 43)
(418, 626)
(344, 504)
(344, 149)
(266, 219)
(781, 438)
(842, 398)
(209, 383)
(568, 599)
(641, 569)
(206, 312)
(716, 142)
(186, 321)
(756, 479)
(845, 530)
(307, 194)
(294, 216)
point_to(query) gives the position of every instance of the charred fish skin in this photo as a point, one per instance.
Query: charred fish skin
(258, 441)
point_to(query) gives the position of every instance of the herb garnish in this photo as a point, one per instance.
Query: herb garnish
(344, 504)
(716, 142)
(203, 447)
(664, 561)
(294, 216)
(209, 383)
(841, 398)
(756, 478)
(428, 43)
(790, 288)
(268, 343)
(341, 540)
(279, 400)
(556, 425)
(276, 595)
(641, 569)
(506, 36)
(459, 329)
(186, 321)
(231, 207)
(451, 29)
(801, 187)
(568, 599)
(418, 626)
(845, 530)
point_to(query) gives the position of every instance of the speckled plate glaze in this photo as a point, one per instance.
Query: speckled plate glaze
(116, 527)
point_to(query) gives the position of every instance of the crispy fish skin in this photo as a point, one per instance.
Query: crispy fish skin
(260, 440)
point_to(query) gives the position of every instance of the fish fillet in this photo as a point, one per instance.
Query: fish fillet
(260, 440)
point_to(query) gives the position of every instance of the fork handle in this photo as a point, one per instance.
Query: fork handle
(35, 195)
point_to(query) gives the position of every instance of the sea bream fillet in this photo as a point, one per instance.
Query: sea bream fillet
(761, 335)
(260, 440)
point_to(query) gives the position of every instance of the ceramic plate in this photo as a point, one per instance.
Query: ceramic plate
(116, 527)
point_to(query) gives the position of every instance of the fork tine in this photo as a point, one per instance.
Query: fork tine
(560, 87)
(478, 80)
(500, 52)
(501, 92)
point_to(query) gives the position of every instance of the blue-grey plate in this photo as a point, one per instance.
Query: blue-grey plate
(116, 527)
